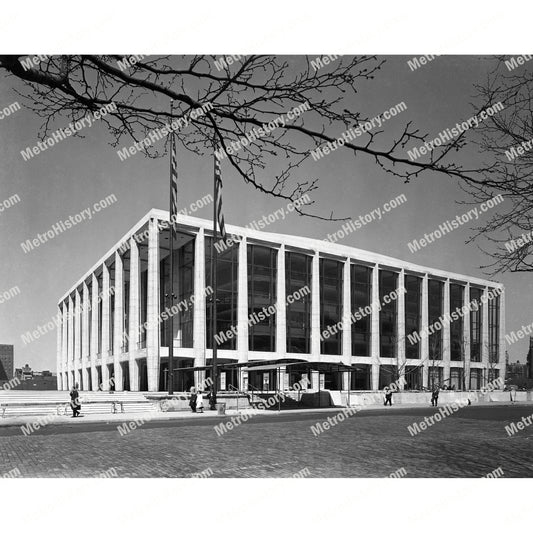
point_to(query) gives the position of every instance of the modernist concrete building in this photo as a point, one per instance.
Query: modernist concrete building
(113, 319)
(7, 362)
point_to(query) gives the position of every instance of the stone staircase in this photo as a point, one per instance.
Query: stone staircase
(40, 403)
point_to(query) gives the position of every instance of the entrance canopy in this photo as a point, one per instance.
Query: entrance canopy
(275, 365)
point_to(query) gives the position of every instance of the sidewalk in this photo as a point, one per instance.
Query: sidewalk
(120, 418)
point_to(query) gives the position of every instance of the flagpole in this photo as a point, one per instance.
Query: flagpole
(214, 253)
(171, 291)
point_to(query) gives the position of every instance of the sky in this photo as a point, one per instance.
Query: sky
(76, 173)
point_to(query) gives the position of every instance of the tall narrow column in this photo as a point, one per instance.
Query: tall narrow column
(199, 309)
(152, 330)
(119, 321)
(466, 337)
(70, 343)
(424, 324)
(281, 315)
(64, 325)
(315, 308)
(85, 361)
(400, 330)
(485, 336)
(200, 294)
(446, 341)
(64, 348)
(105, 327)
(242, 302)
(134, 318)
(59, 348)
(77, 338)
(346, 322)
(94, 331)
(374, 332)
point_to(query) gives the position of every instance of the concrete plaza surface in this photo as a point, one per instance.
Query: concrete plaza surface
(471, 442)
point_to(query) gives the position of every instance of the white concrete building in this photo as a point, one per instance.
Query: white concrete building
(280, 299)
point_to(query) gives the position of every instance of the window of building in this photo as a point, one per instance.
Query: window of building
(262, 271)
(435, 376)
(331, 274)
(476, 317)
(227, 290)
(435, 305)
(388, 283)
(413, 378)
(90, 319)
(111, 308)
(456, 378)
(143, 310)
(297, 277)
(476, 378)
(185, 259)
(412, 316)
(126, 301)
(361, 378)
(494, 330)
(456, 326)
(361, 298)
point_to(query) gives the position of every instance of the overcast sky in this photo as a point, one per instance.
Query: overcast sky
(76, 173)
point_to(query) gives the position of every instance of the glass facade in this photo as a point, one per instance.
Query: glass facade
(90, 320)
(388, 283)
(143, 311)
(111, 308)
(456, 378)
(126, 301)
(457, 347)
(435, 305)
(476, 319)
(412, 315)
(476, 378)
(435, 376)
(100, 309)
(331, 274)
(297, 276)
(494, 330)
(227, 286)
(262, 270)
(185, 278)
(361, 297)
(361, 378)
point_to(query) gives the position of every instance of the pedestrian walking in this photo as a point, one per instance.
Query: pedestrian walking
(75, 401)
(388, 397)
(199, 402)
(192, 401)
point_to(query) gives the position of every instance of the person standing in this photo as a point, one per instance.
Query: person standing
(435, 397)
(199, 402)
(75, 401)
(192, 401)
(388, 397)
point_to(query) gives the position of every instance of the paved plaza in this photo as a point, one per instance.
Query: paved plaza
(470, 443)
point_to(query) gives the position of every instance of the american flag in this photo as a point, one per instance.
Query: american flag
(218, 199)
(173, 180)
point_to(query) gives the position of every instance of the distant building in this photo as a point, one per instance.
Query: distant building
(7, 357)
(24, 373)
(518, 373)
(34, 380)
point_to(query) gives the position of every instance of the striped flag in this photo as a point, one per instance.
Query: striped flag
(218, 199)
(173, 180)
